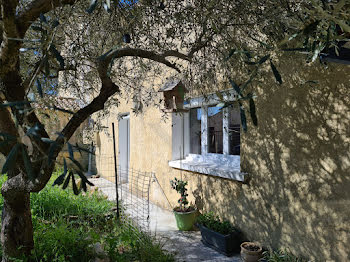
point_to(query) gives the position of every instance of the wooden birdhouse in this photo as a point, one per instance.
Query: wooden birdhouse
(174, 92)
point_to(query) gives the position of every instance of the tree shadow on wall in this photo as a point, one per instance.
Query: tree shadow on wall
(299, 162)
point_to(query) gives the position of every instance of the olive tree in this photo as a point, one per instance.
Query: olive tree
(36, 37)
(99, 48)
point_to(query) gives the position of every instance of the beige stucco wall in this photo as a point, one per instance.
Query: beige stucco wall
(298, 159)
(56, 123)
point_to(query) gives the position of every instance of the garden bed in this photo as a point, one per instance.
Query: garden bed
(80, 228)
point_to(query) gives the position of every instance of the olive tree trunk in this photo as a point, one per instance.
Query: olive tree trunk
(16, 225)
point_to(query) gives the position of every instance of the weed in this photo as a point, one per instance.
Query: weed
(134, 245)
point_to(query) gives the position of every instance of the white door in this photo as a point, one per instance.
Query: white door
(124, 147)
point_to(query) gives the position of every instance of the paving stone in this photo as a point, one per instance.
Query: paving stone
(187, 246)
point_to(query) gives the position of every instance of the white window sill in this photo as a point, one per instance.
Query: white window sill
(225, 166)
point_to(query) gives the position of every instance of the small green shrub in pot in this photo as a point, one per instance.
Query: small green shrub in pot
(180, 187)
(185, 214)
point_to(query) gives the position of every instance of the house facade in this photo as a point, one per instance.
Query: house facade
(284, 183)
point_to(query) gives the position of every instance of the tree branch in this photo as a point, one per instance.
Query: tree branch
(175, 53)
(9, 50)
(108, 89)
(8, 15)
(32, 11)
(199, 43)
(7, 126)
(107, 58)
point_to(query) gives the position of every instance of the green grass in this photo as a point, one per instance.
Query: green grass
(67, 226)
(53, 203)
(281, 256)
(60, 242)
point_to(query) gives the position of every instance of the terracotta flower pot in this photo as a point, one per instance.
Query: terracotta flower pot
(251, 252)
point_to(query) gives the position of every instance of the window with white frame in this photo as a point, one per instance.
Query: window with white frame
(220, 133)
(206, 139)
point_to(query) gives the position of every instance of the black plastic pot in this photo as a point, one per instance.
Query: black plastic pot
(225, 244)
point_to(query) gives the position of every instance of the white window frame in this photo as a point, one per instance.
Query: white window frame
(220, 165)
(205, 133)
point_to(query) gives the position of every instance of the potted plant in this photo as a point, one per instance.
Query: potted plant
(185, 215)
(219, 235)
(251, 252)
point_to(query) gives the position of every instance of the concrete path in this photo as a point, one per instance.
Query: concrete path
(186, 246)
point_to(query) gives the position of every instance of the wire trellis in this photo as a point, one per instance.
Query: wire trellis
(133, 190)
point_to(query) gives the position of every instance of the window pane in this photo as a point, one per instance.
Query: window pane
(195, 130)
(234, 130)
(215, 130)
